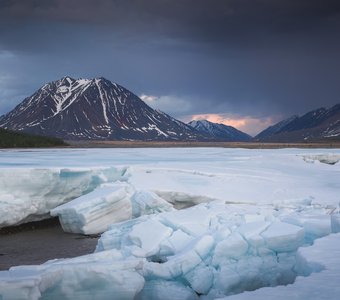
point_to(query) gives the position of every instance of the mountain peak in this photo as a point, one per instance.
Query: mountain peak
(68, 79)
(102, 79)
(204, 121)
(219, 131)
(94, 109)
(201, 122)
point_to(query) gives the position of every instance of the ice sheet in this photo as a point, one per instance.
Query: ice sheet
(266, 208)
(182, 176)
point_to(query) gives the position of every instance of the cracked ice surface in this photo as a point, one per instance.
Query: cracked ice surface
(266, 209)
(323, 256)
(207, 251)
(217, 249)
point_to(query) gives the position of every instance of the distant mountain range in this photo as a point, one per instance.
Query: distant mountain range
(219, 131)
(93, 109)
(98, 109)
(317, 125)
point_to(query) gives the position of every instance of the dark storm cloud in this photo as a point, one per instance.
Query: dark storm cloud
(257, 58)
(216, 20)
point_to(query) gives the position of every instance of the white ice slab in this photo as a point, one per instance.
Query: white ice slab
(94, 212)
(147, 202)
(315, 225)
(283, 237)
(95, 276)
(29, 194)
(147, 236)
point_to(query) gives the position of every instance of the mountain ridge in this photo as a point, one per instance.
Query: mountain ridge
(94, 109)
(315, 125)
(219, 131)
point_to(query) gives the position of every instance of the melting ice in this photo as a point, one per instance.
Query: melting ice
(179, 223)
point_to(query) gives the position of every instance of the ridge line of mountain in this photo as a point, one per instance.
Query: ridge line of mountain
(95, 109)
(98, 109)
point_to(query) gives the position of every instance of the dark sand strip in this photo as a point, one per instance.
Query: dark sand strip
(180, 144)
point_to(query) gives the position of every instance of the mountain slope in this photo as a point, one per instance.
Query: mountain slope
(274, 129)
(219, 131)
(316, 125)
(94, 109)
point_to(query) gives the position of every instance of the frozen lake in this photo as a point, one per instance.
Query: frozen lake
(221, 221)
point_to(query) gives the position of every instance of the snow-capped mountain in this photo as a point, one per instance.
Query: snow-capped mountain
(319, 124)
(94, 109)
(219, 131)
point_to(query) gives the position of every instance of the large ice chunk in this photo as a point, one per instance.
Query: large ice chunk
(182, 262)
(94, 212)
(104, 275)
(147, 202)
(175, 243)
(282, 237)
(234, 246)
(252, 232)
(315, 225)
(194, 221)
(200, 278)
(147, 236)
(29, 194)
(117, 235)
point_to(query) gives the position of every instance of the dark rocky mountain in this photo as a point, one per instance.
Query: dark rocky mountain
(317, 125)
(94, 109)
(219, 131)
(274, 129)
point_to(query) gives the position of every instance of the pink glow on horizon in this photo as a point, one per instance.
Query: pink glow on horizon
(247, 124)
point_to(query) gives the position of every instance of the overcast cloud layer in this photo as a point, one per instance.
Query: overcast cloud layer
(252, 62)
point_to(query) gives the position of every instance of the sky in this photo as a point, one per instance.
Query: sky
(244, 63)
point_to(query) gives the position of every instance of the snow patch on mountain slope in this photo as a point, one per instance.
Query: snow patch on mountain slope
(219, 131)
